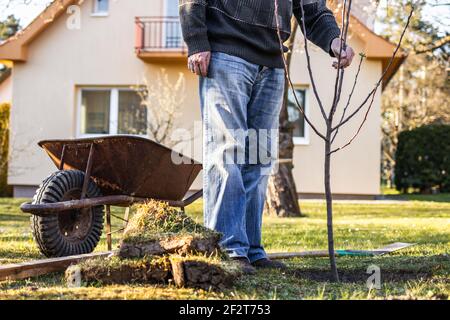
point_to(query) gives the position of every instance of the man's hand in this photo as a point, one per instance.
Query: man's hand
(199, 63)
(346, 55)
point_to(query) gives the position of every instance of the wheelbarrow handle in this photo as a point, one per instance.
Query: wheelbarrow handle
(118, 200)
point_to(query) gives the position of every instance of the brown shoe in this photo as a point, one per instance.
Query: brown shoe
(246, 266)
(265, 263)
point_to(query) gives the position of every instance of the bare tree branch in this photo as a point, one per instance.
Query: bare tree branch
(288, 77)
(340, 71)
(373, 92)
(331, 132)
(377, 85)
(362, 56)
(308, 59)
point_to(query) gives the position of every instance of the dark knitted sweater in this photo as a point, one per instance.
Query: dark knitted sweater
(247, 28)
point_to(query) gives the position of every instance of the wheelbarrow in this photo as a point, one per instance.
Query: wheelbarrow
(94, 174)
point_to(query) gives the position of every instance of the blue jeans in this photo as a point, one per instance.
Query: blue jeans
(239, 101)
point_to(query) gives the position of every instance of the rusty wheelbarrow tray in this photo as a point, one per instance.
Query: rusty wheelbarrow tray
(103, 171)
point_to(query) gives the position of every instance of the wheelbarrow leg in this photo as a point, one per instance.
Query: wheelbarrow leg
(63, 156)
(87, 174)
(108, 227)
(126, 217)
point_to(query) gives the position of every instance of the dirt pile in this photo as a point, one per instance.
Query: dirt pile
(158, 229)
(114, 270)
(161, 245)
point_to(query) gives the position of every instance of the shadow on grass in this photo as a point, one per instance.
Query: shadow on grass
(393, 269)
(357, 276)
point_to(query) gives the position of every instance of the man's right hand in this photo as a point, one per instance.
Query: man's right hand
(199, 63)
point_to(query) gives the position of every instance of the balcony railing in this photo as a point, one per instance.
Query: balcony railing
(159, 38)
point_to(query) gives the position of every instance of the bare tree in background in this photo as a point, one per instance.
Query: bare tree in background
(162, 99)
(333, 127)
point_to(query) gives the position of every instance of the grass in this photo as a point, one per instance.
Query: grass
(420, 272)
(393, 194)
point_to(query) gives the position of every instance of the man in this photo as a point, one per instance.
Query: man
(234, 47)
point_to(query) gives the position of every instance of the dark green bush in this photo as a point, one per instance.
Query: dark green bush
(423, 159)
(5, 108)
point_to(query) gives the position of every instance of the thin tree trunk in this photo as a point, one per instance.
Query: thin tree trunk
(329, 200)
(282, 197)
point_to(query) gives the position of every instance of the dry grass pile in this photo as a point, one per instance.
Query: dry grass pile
(160, 245)
(158, 229)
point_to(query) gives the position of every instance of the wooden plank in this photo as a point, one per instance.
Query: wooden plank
(20, 271)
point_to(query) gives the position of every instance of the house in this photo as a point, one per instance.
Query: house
(75, 65)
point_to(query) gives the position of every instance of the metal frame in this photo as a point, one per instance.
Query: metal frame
(107, 201)
(151, 33)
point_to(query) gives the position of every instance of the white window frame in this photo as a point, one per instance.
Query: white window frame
(97, 13)
(113, 111)
(304, 141)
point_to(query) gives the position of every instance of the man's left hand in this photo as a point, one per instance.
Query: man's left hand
(347, 54)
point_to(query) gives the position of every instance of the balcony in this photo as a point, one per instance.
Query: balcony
(159, 39)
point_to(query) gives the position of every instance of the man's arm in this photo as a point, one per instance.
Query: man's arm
(193, 25)
(322, 29)
(195, 34)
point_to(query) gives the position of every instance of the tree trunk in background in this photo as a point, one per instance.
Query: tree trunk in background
(282, 198)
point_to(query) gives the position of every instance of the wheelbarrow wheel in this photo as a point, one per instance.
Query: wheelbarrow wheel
(69, 232)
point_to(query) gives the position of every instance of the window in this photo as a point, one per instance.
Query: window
(95, 109)
(132, 114)
(301, 132)
(101, 7)
(111, 111)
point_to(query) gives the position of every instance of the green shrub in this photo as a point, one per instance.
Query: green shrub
(423, 159)
(5, 108)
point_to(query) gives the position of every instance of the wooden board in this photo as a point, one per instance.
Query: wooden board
(24, 270)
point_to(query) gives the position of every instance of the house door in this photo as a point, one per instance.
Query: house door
(172, 30)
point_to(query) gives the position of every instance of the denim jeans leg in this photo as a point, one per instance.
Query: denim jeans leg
(225, 94)
(263, 119)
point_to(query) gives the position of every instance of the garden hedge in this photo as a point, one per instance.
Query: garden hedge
(5, 108)
(423, 159)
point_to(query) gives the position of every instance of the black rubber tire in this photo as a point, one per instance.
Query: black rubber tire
(85, 227)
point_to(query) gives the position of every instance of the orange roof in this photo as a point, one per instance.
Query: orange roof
(15, 48)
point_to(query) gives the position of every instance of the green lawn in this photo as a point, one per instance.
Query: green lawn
(420, 272)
